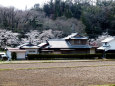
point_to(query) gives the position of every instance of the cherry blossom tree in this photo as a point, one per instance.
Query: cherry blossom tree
(32, 36)
(8, 38)
(36, 37)
(97, 42)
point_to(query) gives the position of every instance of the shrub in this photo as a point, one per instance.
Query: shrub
(110, 56)
(62, 56)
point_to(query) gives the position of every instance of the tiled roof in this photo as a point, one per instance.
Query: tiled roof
(64, 44)
(108, 39)
(28, 45)
(16, 50)
(75, 36)
(58, 44)
(42, 44)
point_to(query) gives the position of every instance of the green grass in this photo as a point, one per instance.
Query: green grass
(5, 69)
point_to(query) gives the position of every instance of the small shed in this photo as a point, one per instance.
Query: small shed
(20, 54)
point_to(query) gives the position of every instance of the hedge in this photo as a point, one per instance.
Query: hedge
(110, 56)
(62, 56)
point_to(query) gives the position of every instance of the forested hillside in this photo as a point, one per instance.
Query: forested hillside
(56, 19)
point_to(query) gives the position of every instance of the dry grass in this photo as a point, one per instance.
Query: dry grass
(102, 85)
(58, 74)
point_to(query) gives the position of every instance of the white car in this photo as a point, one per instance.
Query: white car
(3, 56)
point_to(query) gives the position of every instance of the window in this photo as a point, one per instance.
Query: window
(105, 43)
(77, 42)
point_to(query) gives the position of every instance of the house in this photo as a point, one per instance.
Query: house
(21, 54)
(108, 44)
(29, 47)
(72, 44)
(22, 50)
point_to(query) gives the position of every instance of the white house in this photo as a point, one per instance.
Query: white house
(22, 50)
(108, 44)
(21, 54)
(30, 48)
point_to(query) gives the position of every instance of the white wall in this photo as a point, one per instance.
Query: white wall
(112, 45)
(31, 51)
(20, 55)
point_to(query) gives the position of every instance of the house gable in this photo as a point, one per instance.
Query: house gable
(76, 39)
(108, 44)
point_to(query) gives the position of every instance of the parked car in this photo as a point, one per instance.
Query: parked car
(3, 56)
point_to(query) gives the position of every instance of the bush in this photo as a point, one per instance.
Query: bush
(62, 56)
(14, 56)
(110, 56)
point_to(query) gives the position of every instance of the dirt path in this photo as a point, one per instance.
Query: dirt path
(84, 75)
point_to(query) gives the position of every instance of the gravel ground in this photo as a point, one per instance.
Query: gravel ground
(58, 74)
